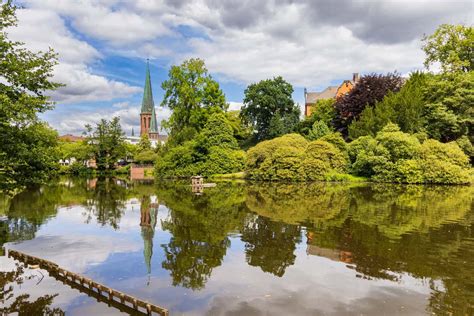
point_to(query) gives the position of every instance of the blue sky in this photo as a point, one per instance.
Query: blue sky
(103, 46)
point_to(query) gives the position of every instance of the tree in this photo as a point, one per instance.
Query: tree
(448, 112)
(452, 46)
(192, 95)
(319, 130)
(27, 149)
(264, 100)
(107, 142)
(369, 90)
(144, 143)
(404, 108)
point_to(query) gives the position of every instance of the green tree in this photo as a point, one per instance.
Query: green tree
(144, 143)
(107, 142)
(318, 130)
(404, 108)
(192, 95)
(369, 90)
(264, 100)
(27, 150)
(449, 111)
(452, 47)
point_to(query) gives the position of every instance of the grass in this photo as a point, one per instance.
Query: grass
(236, 175)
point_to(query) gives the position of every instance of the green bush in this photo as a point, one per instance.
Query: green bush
(146, 156)
(394, 156)
(292, 158)
(318, 130)
(213, 151)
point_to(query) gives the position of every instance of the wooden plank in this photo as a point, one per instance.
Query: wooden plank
(86, 285)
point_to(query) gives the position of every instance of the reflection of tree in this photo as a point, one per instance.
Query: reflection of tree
(106, 202)
(199, 226)
(21, 305)
(270, 245)
(148, 215)
(425, 231)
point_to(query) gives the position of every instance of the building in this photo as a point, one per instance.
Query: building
(148, 123)
(332, 92)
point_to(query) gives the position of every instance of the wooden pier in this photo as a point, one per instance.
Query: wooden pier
(114, 298)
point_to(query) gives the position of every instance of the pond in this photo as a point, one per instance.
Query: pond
(243, 248)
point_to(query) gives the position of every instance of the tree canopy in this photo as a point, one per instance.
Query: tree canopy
(368, 90)
(107, 143)
(452, 46)
(28, 148)
(269, 108)
(193, 95)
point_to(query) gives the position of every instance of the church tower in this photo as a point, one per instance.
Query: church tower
(148, 124)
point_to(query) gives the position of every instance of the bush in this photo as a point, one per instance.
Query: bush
(146, 156)
(213, 151)
(394, 156)
(292, 158)
(328, 153)
(318, 130)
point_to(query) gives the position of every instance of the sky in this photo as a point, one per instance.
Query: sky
(103, 45)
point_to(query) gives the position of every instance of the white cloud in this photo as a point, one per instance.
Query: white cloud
(129, 118)
(235, 106)
(40, 29)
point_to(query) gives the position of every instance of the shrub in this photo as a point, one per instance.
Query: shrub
(292, 158)
(318, 130)
(399, 145)
(328, 153)
(146, 156)
(394, 156)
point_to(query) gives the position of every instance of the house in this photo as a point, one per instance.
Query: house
(332, 92)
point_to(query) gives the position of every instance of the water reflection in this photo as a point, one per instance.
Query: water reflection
(388, 233)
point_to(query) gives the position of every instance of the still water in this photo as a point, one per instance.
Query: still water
(243, 248)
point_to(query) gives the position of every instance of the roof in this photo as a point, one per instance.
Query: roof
(153, 124)
(328, 93)
(147, 102)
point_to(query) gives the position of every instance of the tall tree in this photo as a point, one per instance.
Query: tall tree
(266, 99)
(28, 152)
(107, 142)
(452, 46)
(369, 90)
(404, 108)
(192, 94)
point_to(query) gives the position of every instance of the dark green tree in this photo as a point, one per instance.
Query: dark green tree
(28, 152)
(266, 99)
(107, 142)
(193, 95)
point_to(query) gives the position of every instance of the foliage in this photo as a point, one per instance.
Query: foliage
(404, 108)
(293, 158)
(324, 111)
(192, 95)
(107, 143)
(452, 47)
(213, 151)
(144, 143)
(29, 155)
(449, 113)
(394, 156)
(369, 90)
(146, 156)
(265, 100)
(242, 133)
(27, 151)
(318, 130)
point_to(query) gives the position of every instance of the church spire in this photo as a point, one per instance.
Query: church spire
(147, 102)
(153, 124)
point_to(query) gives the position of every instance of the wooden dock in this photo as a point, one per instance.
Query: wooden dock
(114, 298)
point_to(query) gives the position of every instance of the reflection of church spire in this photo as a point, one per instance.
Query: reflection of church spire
(148, 216)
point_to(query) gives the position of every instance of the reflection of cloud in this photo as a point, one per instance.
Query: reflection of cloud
(76, 252)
